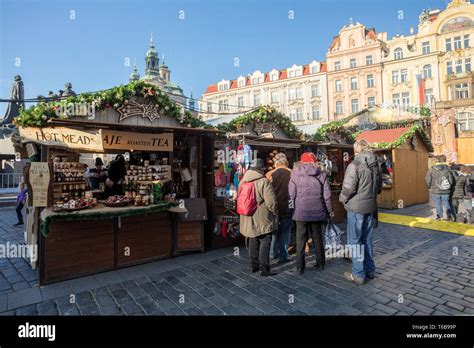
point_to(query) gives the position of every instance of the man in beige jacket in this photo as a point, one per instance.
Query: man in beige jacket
(260, 226)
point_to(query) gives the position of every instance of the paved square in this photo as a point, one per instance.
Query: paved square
(419, 272)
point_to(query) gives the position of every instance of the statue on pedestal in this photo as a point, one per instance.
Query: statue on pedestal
(17, 97)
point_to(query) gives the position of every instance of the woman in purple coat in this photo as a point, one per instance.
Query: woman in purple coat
(310, 197)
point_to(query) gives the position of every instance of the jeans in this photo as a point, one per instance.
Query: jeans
(304, 231)
(19, 207)
(359, 235)
(440, 201)
(259, 250)
(281, 239)
(462, 206)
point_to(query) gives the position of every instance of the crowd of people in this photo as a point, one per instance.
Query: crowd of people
(269, 204)
(451, 190)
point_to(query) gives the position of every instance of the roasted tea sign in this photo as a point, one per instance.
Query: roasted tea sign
(39, 178)
(62, 137)
(116, 140)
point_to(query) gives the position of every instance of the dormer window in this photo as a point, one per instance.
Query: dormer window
(274, 77)
(398, 54)
(295, 71)
(222, 86)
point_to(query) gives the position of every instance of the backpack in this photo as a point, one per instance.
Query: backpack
(444, 184)
(247, 199)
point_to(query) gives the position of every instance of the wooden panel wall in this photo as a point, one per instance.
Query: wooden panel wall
(466, 150)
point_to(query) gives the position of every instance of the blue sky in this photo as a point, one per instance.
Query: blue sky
(90, 50)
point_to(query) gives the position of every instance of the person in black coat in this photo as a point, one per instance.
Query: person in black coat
(117, 171)
(462, 194)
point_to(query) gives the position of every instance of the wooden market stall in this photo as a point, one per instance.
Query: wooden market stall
(167, 179)
(404, 153)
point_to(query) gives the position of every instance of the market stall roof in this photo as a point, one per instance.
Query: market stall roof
(394, 137)
(383, 135)
(81, 124)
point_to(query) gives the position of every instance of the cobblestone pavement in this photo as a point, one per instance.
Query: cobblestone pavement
(420, 272)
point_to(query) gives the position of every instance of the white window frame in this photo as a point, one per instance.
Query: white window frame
(339, 107)
(467, 65)
(371, 101)
(398, 54)
(315, 92)
(465, 121)
(406, 100)
(353, 83)
(354, 102)
(316, 112)
(256, 99)
(370, 81)
(462, 90)
(338, 85)
(396, 99)
(457, 42)
(427, 73)
(458, 63)
(466, 41)
(274, 96)
(449, 68)
(369, 60)
(353, 63)
(404, 75)
(428, 95)
(426, 47)
(448, 44)
(337, 65)
(240, 102)
(299, 114)
(395, 77)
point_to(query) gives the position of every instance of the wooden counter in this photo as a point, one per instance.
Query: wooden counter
(97, 240)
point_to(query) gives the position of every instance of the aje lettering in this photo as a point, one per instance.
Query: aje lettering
(117, 140)
(65, 138)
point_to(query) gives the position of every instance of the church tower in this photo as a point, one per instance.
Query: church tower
(134, 76)
(152, 61)
(165, 72)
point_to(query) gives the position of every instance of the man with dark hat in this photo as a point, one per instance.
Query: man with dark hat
(97, 174)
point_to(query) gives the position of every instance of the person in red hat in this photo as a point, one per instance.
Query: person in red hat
(311, 200)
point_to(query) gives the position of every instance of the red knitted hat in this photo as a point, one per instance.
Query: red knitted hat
(308, 157)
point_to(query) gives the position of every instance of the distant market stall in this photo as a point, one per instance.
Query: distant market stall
(162, 209)
(403, 147)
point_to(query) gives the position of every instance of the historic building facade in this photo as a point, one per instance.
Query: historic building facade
(354, 70)
(298, 91)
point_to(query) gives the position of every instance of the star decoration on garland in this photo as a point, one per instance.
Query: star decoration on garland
(132, 108)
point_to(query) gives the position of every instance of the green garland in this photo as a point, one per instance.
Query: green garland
(97, 214)
(263, 114)
(416, 129)
(39, 114)
(338, 127)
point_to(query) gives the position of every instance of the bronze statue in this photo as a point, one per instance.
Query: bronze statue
(16, 101)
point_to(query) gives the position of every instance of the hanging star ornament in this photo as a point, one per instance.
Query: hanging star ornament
(132, 108)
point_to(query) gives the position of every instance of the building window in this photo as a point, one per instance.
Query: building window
(458, 66)
(274, 97)
(404, 75)
(462, 91)
(467, 64)
(465, 121)
(315, 90)
(425, 47)
(398, 54)
(292, 94)
(337, 66)
(405, 100)
(256, 99)
(299, 93)
(293, 114)
(370, 81)
(209, 107)
(299, 114)
(353, 63)
(223, 105)
(396, 99)
(428, 95)
(354, 105)
(457, 43)
(369, 60)
(223, 87)
(449, 68)
(353, 83)
(241, 83)
(339, 108)
(371, 101)
(395, 75)
(316, 112)
(338, 86)
(427, 71)
(449, 46)
(466, 41)
(240, 102)
(314, 69)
